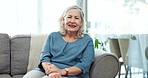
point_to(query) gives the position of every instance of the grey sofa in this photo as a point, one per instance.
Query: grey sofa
(14, 56)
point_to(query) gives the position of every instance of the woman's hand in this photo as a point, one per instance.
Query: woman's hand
(55, 75)
(51, 68)
(46, 66)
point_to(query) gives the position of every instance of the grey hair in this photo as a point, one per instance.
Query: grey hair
(80, 32)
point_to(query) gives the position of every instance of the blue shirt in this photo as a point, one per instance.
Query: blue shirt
(79, 53)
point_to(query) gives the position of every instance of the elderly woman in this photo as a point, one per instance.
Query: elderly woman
(68, 53)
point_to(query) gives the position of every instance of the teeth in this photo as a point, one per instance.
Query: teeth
(72, 25)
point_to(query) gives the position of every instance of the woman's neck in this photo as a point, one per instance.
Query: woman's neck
(70, 37)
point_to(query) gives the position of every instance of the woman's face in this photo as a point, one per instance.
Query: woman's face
(73, 20)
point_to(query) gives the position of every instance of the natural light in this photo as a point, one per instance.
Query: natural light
(117, 18)
(41, 16)
(31, 16)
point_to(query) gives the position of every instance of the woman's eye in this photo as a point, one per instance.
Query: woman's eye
(68, 17)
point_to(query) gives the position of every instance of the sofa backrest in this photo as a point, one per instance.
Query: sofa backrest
(20, 46)
(4, 54)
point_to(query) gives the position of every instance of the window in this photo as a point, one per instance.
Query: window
(31, 16)
(118, 16)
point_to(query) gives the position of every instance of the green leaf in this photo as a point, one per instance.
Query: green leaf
(96, 43)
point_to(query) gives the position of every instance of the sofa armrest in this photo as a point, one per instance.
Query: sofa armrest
(106, 65)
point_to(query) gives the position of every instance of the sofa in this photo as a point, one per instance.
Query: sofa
(15, 56)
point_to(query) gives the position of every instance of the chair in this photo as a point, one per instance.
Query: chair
(146, 55)
(120, 47)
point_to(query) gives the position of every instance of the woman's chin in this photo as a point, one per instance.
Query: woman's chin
(72, 30)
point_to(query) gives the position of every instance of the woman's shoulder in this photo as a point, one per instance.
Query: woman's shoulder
(87, 37)
(54, 34)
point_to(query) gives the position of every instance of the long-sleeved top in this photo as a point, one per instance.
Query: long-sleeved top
(79, 53)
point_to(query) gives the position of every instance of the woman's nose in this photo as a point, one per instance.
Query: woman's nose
(72, 20)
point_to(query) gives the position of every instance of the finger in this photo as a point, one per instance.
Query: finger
(49, 70)
(53, 75)
(58, 75)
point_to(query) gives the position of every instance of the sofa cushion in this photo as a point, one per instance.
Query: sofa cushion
(19, 54)
(5, 76)
(18, 76)
(4, 54)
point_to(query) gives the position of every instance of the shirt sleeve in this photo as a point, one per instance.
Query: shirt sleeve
(45, 53)
(87, 57)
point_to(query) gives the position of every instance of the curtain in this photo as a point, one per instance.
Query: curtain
(83, 5)
(18, 16)
(31, 16)
(8, 16)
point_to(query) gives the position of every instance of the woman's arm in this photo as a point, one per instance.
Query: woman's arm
(87, 57)
(73, 70)
(45, 54)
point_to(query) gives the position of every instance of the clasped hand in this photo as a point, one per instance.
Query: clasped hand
(53, 71)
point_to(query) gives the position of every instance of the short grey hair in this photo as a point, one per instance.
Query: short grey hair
(80, 32)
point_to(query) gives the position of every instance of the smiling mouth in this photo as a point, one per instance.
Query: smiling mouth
(72, 26)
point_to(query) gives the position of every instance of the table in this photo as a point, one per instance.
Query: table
(136, 52)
